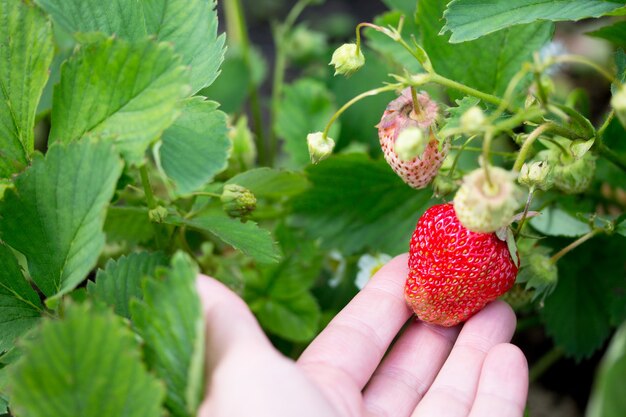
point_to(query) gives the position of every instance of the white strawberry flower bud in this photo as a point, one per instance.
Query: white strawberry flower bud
(473, 119)
(410, 143)
(618, 102)
(320, 147)
(347, 59)
(536, 174)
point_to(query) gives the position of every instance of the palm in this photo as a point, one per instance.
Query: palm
(345, 372)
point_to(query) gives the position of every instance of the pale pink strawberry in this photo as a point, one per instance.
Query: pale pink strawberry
(399, 115)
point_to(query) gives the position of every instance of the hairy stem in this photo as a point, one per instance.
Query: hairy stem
(237, 32)
(528, 143)
(361, 96)
(278, 74)
(573, 245)
(529, 200)
(544, 363)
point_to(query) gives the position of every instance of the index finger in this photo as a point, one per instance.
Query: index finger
(353, 344)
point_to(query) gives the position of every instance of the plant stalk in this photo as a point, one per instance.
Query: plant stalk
(237, 33)
(544, 363)
(361, 96)
(526, 146)
(573, 245)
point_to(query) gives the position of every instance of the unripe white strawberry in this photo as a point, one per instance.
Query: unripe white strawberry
(482, 207)
(320, 147)
(400, 115)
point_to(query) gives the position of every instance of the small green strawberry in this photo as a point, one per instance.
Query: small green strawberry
(571, 175)
(483, 207)
(518, 297)
(237, 201)
(454, 272)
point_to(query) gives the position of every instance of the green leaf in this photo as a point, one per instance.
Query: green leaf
(455, 112)
(189, 25)
(296, 318)
(404, 5)
(120, 280)
(87, 364)
(26, 51)
(486, 64)
(271, 183)
(554, 221)
(471, 19)
(170, 321)
(354, 201)
(607, 396)
(20, 307)
(129, 224)
(196, 147)
(615, 33)
(55, 214)
(578, 313)
(122, 18)
(246, 237)
(305, 108)
(124, 92)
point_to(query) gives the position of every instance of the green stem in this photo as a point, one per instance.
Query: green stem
(541, 92)
(577, 59)
(361, 96)
(605, 125)
(147, 187)
(617, 159)
(278, 75)
(237, 32)
(458, 155)
(544, 363)
(554, 259)
(486, 149)
(152, 203)
(528, 143)
(472, 149)
(529, 200)
(508, 94)
(207, 194)
(489, 98)
(518, 118)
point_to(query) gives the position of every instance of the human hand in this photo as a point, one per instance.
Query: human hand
(429, 371)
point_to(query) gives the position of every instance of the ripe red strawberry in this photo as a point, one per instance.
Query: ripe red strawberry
(399, 115)
(454, 272)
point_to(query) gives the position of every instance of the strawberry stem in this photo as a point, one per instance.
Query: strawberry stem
(521, 157)
(486, 149)
(529, 200)
(416, 105)
(574, 245)
(369, 93)
(544, 363)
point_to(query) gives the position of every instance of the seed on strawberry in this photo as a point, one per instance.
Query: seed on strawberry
(454, 272)
(401, 114)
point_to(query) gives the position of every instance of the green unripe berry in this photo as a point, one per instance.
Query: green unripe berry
(237, 201)
(347, 59)
(320, 147)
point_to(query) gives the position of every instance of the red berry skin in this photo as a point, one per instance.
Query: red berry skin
(453, 272)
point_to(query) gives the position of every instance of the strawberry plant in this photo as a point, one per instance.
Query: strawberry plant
(140, 146)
